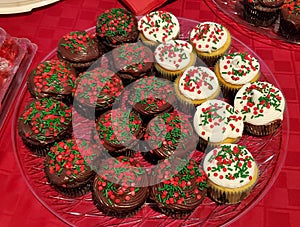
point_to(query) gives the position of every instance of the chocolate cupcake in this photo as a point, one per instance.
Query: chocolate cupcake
(44, 122)
(150, 96)
(96, 91)
(262, 106)
(261, 12)
(116, 26)
(289, 26)
(80, 49)
(121, 188)
(170, 134)
(180, 194)
(52, 79)
(67, 170)
(119, 131)
(132, 61)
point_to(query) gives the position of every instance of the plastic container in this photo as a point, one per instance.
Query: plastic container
(16, 55)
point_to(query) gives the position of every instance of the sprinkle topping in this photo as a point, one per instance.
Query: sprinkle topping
(260, 103)
(116, 22)
(78, 41)
(229, 165)
(293, 7)
(118, 127)
(65, 158)
(98, 84)
(188, 183)
(208, 37)
(168, 130)
(46, 118)
(238, 68)
(125, 190)
(159, 26)
(198, 83)
(173, 55)
(216, 120)
(54, 76)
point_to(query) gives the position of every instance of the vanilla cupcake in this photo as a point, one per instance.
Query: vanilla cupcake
(158, 27)
(234, 70)
(262, 106)
(232, 173)
(210, 40)
(173, 58)
(217, 122)
(196, 85)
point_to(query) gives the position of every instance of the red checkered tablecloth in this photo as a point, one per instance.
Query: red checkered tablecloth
(44, 26)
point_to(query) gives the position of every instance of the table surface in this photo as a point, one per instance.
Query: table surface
(44, 26)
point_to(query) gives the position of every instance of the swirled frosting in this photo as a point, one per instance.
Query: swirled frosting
(260, 103)
(216, 120)
(198, 83)
(208, 37)
(238, 68)
(230, 166)
(173, 55)
(159, 26)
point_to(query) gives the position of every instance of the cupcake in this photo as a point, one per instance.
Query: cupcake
(120, 190)
(52, 79)
(80, 49)
(158, 27)
(210, 41)
(172, 58)
(96, 92)
(132, 61)
(119, 131)
(289, 26)
(116, 26)
(262, 106)
(232, 173)
(217, 122)
(178, 195)
(67, 170)
(234, 70)
(150, 96)
(195, 86)
(43, 122)
(261, 12)
(170, 134)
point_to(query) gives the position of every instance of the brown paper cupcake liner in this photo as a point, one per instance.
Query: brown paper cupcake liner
(210, 61)
(258, 17)
(262, 130)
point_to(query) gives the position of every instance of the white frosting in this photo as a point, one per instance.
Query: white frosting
(159, 26)
(173, 55)
(198, 83)
(216, 120)
(208, 37)
(230, 166)
(238, 68)
(260, 103)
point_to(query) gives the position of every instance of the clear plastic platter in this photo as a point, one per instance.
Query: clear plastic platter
(234, 9)
(269, 152)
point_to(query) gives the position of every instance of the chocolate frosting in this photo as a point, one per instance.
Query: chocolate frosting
(45, 136)
(139, 59)
(119, 146)
(57, 89)
(271, 3)
(90, 53)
